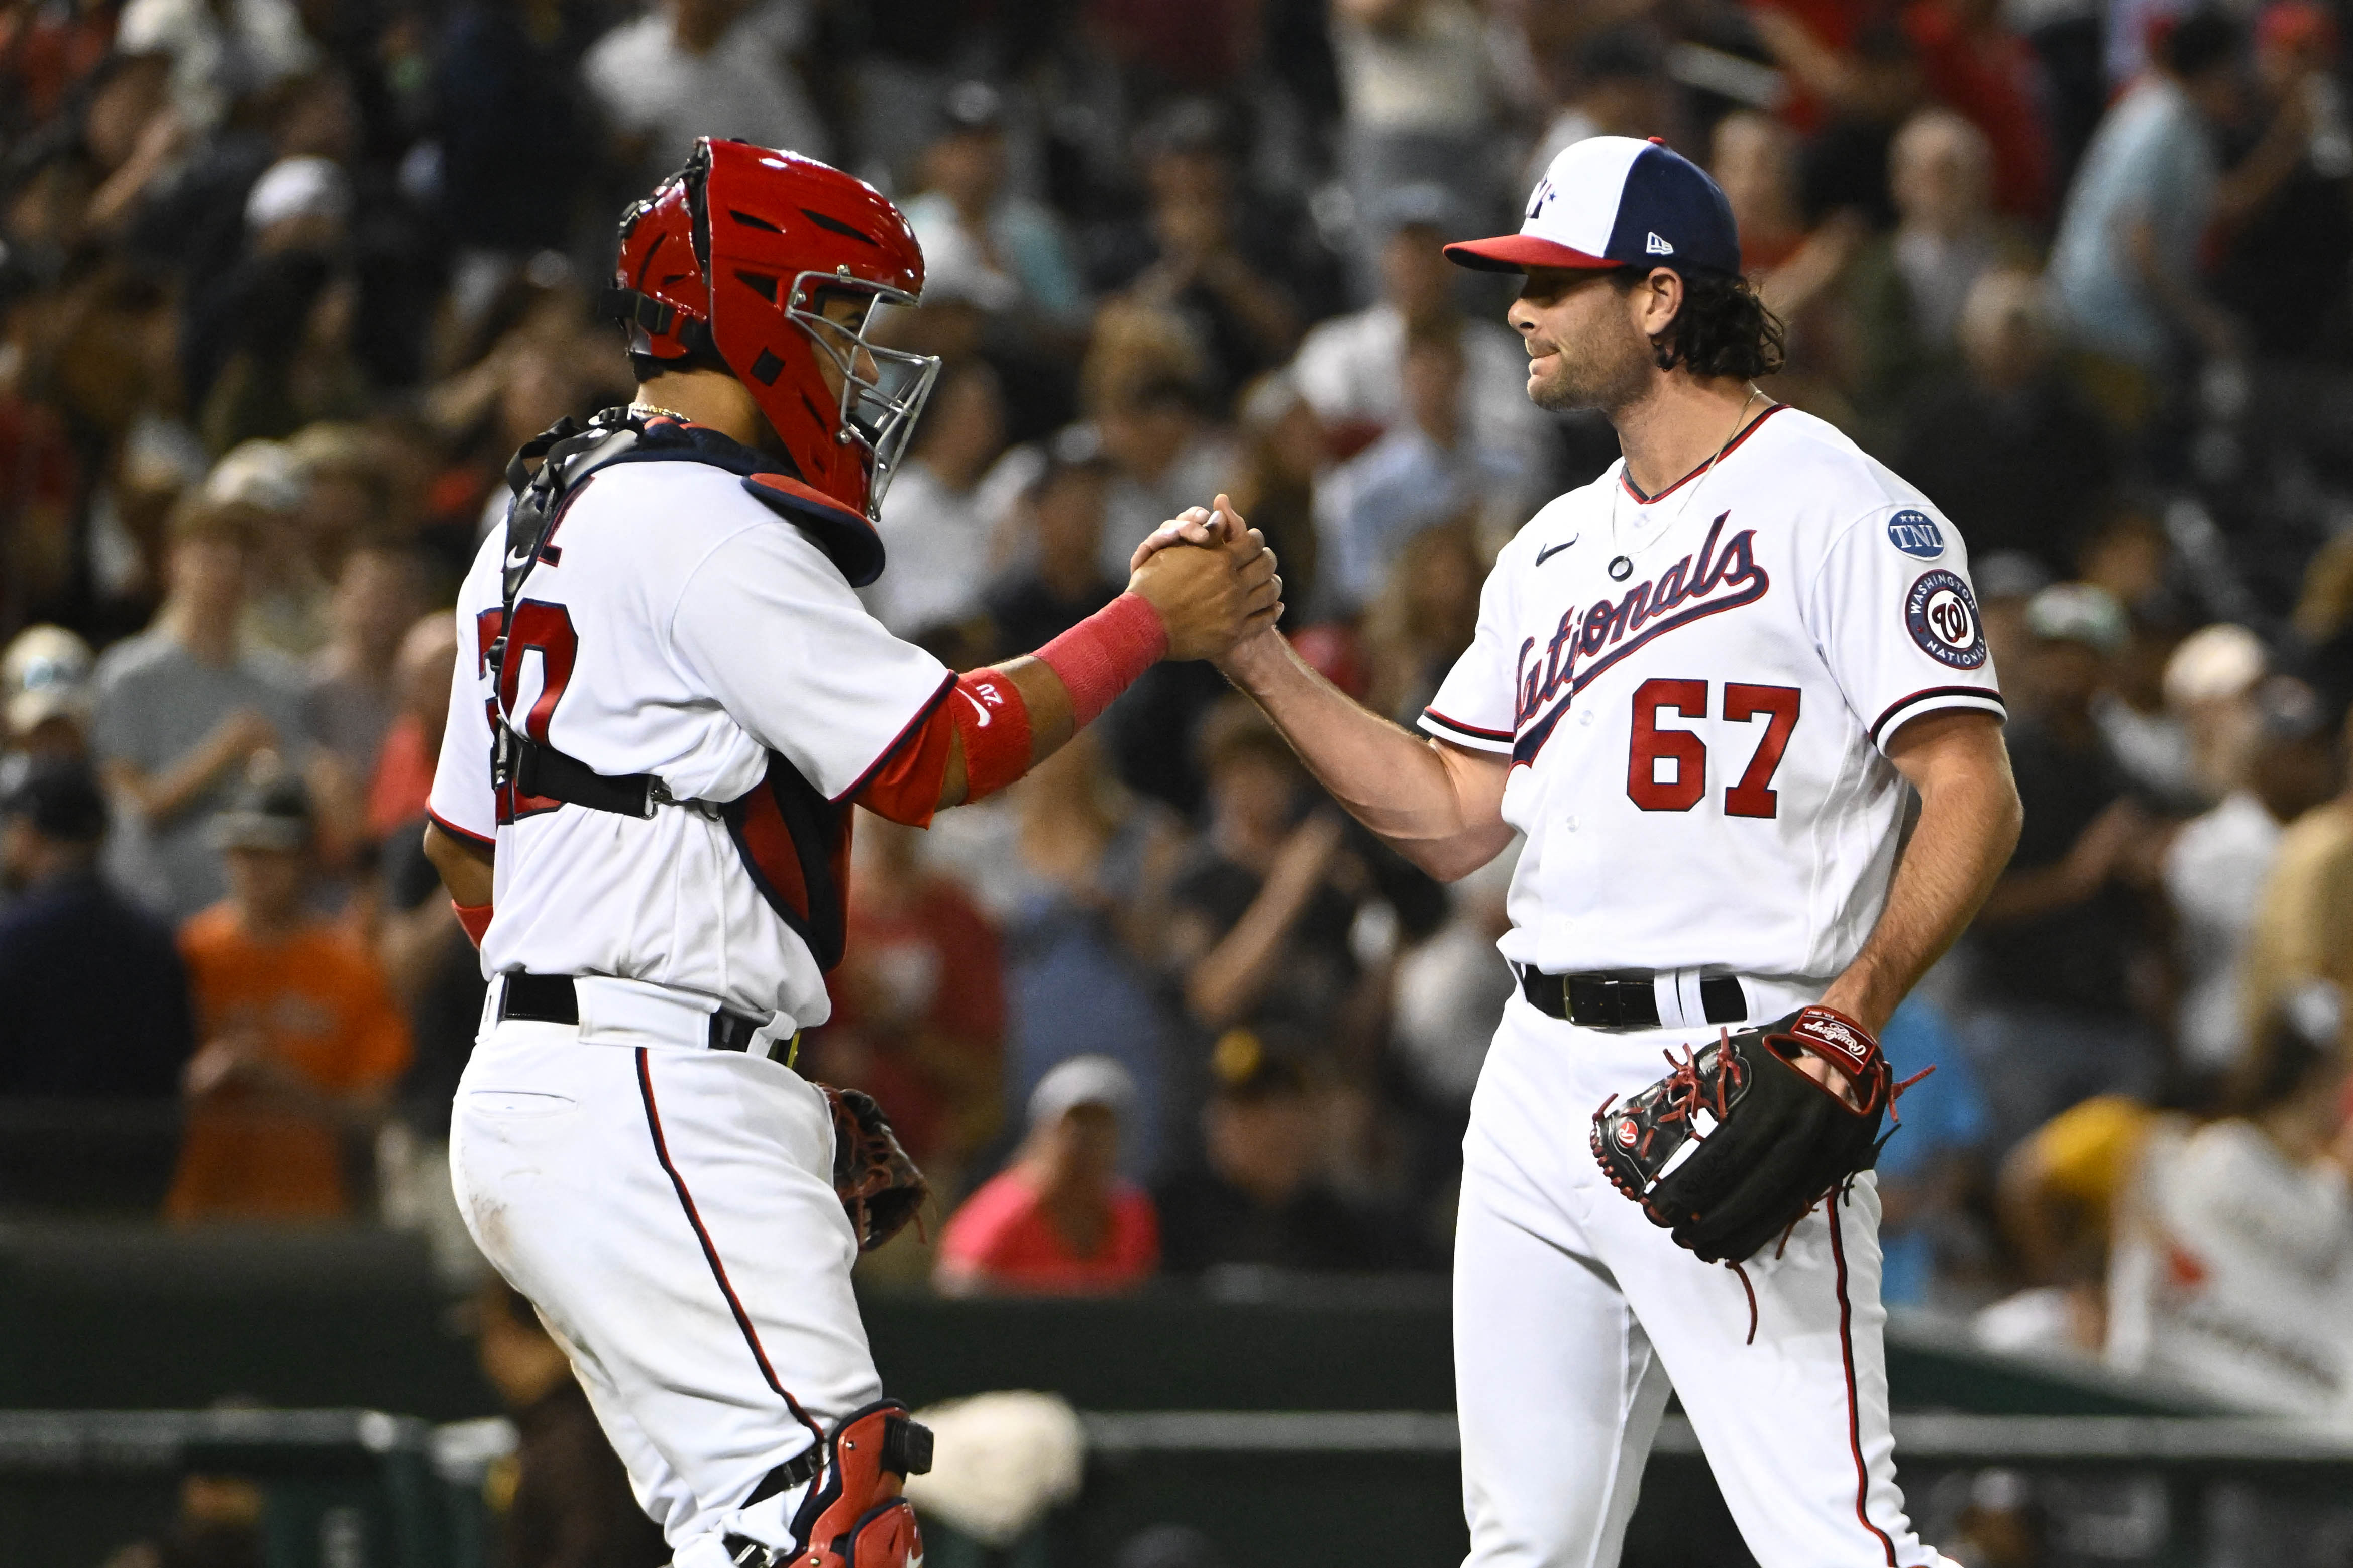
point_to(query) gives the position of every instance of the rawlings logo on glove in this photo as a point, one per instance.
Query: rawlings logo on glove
(1737, 1143)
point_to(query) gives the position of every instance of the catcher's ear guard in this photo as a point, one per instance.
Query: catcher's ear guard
(854, 1517)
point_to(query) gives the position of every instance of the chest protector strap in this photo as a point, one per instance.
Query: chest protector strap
(570, 453)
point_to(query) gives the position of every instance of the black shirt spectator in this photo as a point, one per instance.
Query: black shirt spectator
(2074, 956)
(97, 999)
(1258, 1201)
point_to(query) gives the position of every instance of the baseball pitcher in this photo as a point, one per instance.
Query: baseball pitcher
(1711, 687)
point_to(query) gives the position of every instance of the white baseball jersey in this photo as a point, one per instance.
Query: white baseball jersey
(1694, 689)
(678, 628)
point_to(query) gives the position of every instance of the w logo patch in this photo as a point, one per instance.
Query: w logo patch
(1657, 246)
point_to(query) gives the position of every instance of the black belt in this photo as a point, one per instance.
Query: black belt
(1623, 998)
(554, 999)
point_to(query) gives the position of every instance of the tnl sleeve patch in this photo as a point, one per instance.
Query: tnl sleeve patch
(1917, 534)
(1942, 616)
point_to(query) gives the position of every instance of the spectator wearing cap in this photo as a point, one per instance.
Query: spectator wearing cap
(685, 68)
(2216, 865)
(969, 220)
(45, 681)
(2009, 449)
(301, 1040)
(2123, 265)
(98, 1000)
(181, 709)
(1258, 1201)
(2056, 941)
(1346, 367)
(1057, 1221)
(933, 524)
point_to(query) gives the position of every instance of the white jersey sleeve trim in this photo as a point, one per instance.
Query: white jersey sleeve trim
(1461, 734)
(1903, 710)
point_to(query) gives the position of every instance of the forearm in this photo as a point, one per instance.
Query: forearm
(1053, 720)
(1439, 806)
(164, 795)
(1969, 824)
(1232, 976)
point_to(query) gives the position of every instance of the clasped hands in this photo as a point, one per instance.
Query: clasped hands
(1219, 595)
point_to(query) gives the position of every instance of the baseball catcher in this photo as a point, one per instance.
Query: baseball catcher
(673, 702)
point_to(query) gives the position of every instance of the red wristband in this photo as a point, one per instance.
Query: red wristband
(995, 724)
(1103, 654)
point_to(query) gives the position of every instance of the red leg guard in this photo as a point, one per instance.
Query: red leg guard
(853, 1516)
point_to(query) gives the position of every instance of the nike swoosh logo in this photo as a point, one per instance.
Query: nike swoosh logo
(1552, 550)
(978, 706)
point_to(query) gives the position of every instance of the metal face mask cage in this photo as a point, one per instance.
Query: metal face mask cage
(879, 410)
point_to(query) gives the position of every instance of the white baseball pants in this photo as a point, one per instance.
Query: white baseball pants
(1573, 1314)
(670, 1209)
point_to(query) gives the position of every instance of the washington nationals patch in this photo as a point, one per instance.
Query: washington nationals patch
(1942, 616)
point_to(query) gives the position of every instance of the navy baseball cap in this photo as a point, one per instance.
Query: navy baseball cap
(1616, 201)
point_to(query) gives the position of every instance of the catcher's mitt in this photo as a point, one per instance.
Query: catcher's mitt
(1736, 1144)
(876, 1181)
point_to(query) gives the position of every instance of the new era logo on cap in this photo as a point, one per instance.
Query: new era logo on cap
(1616, 201)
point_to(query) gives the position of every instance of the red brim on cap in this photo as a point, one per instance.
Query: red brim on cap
(1518, 252)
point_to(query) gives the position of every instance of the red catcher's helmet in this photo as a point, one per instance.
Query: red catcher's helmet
(727, 266)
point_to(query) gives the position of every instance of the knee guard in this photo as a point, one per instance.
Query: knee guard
(854, 1516)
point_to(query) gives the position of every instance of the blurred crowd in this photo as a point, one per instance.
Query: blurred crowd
(284, 282)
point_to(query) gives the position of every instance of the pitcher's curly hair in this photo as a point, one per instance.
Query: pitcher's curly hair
(1723, 328)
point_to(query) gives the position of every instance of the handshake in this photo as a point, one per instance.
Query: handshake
(1215, 593)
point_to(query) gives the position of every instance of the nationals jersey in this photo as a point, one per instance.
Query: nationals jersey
(678, 626)
(1694, 689)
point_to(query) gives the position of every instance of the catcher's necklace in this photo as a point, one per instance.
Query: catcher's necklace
(1621, 565)
(659, 413)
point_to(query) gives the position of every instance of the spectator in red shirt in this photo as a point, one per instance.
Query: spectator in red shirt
(1058, 1221)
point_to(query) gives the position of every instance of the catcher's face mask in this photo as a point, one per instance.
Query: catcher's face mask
(882, 389)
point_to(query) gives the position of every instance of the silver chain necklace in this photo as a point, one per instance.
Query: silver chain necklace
(1622, 564)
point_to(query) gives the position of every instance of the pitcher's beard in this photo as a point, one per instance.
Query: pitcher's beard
(1604, 372)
